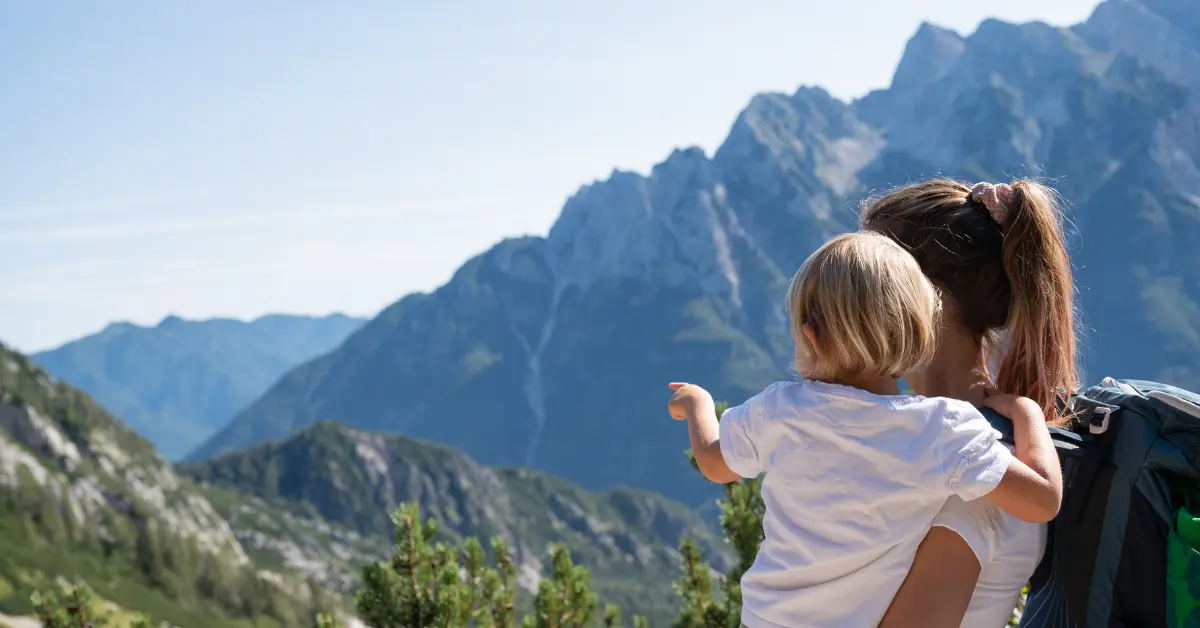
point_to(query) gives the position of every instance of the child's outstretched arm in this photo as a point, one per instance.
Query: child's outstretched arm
(693, 404)
(1032, 487)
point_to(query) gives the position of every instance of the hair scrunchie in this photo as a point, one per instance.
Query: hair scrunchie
(997, 198)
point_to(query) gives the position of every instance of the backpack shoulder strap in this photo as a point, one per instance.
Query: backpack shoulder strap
(1000, 424)
(1066, 441)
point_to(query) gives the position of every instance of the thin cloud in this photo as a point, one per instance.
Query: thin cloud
(81, 283)
(136, 203)
(227, 220)
(107, 207)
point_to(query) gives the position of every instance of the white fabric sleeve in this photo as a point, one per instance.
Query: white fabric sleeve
(975, 460)
(977, 522)
(738, 433)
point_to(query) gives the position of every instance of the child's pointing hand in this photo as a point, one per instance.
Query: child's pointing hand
(686, 399)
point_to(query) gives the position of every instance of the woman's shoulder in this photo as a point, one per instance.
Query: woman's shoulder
(977, 522)
(989, 531)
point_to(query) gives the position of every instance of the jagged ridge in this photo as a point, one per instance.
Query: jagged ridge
(556, 351)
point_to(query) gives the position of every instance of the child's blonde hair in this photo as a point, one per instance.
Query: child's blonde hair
(871, 308)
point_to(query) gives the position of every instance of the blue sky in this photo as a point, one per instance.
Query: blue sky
(222, 158)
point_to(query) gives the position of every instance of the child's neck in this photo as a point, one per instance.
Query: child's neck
(874, 384)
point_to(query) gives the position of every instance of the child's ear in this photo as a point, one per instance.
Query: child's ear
(811, 336)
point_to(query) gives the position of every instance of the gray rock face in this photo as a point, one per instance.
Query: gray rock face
(320, 503)
(1132, 28)
(78, 487)
(104, 478)
(555, 352)
(930, 53)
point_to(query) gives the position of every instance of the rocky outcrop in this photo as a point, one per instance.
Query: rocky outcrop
(79, 487)
(34, 449)
(353, 480)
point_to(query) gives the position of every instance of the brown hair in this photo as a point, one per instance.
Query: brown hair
(1010, 280)
(872, 309)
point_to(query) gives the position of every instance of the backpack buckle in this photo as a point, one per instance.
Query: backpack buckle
(1099, 421)
(1098, 413)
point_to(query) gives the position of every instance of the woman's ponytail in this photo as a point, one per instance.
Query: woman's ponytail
(996, 251)
(1038, 359)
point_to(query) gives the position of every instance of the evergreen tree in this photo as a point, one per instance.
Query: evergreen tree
(71, 606)
(427, 585)
(612, 618)
(327, 620)
(404, 592)
(565, 600)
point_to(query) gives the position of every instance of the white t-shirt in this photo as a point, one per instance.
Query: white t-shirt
(853, 482)
(1008, 550)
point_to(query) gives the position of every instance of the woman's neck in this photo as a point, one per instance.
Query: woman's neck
(958, 370)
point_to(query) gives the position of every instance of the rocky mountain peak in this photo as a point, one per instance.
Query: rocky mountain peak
(811, 140)
(171, 320)
(1160, 39)
(929, 53)
(112, 330)
(1184, 14)
(1028, 49)
(997, 104)
(673, 225)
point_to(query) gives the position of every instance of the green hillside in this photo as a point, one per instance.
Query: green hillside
(82, 495)
(321, 503)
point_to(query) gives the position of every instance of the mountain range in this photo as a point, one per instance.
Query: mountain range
(270, 535)
(554, 352)
(180, 381)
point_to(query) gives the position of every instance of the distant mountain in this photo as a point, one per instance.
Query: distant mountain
(320, 503)
(555, 352)
(82, 495)
(179, 382)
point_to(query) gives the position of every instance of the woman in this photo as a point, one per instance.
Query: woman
(998, 256)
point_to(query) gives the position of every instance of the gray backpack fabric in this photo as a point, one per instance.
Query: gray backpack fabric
(1130, 457)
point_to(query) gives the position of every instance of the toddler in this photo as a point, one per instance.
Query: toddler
(855, 472)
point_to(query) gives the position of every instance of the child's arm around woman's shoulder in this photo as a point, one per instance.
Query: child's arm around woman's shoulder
(1032, 488)
(723, 450)
(1027, 486)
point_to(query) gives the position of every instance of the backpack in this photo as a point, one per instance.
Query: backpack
(1118, 553)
